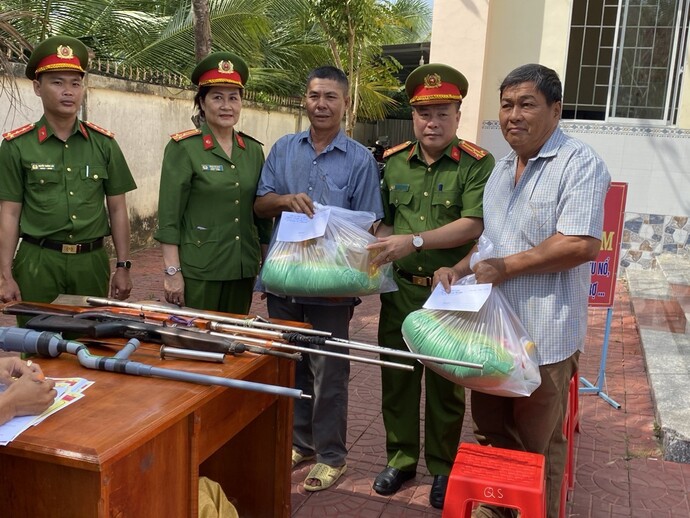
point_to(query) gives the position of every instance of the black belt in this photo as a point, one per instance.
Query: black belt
(418, 280)
(65, 248)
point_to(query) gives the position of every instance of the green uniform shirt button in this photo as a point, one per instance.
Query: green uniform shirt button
(66, 145)
(232, 166)
(426, 194)
(396, 200)
(74, 216)
(71, 236)
(447, 202)
(422, 218)
(41, 181)
(237, 220)
(71, 193)
(428, 169)
(237, 184)
(237, 238)
(419, 268)
(237, 202)
(69, 169)
(95, 177)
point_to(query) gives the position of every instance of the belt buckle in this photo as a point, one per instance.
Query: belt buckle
(69, 249)
(420, 281)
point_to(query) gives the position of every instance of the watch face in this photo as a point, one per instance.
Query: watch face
(124, 264)
(172, 270)
(417, 241)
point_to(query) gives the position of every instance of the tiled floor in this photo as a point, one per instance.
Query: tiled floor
(618, 468)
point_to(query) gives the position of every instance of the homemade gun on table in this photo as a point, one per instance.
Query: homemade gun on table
(51, 345)
(248, 330)
(109, 323)
(122, 326)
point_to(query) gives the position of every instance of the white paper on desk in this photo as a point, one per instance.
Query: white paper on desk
(469, 297)
(12, 428)
(295, 226)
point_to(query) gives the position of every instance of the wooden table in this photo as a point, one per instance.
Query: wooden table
(135, 447)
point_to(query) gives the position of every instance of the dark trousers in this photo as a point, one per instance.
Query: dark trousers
(320, 424)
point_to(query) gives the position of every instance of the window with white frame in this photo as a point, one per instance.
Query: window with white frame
(625, 60)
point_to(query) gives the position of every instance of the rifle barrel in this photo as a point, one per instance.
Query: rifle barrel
(244, 322)
(339, 342)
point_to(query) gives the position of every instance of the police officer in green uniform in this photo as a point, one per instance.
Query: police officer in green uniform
(212, 243)
(55, 174)
(432, 195)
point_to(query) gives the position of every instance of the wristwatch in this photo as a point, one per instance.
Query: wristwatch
(417, 242)
(172, 270)
(123, 264)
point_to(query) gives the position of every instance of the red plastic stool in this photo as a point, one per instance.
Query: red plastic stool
(570, 426)
(506, 478)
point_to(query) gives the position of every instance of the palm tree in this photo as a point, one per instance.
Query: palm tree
(281, 40)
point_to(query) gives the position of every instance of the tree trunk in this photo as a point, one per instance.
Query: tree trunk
(202, 29)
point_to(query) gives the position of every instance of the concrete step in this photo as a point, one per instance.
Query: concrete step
(676, 268)
(667, 354)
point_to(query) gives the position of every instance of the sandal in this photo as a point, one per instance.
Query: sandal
(299, 458)
(325, 474)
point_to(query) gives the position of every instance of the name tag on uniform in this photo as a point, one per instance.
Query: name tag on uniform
(43, 167)
(211, 167)
(401, 187)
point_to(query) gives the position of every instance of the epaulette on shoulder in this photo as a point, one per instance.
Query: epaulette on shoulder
(395, 149)
(100, 130)
(473, 150)
(244, 135)
(19, 131)
(185, 134)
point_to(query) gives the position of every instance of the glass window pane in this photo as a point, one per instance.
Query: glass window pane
(595, 10)
(591, 48)
(579, 10)
(640, 60)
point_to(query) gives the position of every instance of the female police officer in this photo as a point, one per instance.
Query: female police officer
(210, 238)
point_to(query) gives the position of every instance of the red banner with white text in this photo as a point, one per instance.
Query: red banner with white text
(605, 269)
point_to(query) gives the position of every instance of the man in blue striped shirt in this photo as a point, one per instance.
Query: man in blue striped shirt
(543, 212)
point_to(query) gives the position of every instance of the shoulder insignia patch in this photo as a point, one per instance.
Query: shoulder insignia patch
(185, 134)
(395, 149)
(100, 130)
(17, 132)
(473, 149)
(249, 137)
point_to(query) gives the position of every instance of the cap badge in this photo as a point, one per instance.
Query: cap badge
(225, 67)
(65, 52)
(432, 81)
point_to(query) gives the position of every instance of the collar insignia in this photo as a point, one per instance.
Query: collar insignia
(432, 81)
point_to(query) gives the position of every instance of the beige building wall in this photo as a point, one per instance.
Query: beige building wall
(487, 39)
(462, 26)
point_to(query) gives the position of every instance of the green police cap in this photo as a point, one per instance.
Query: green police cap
(219, 68)
(58, 54)
(435, 84)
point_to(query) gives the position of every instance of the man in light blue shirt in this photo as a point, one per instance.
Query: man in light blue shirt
(544, 213)
(319, 165)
